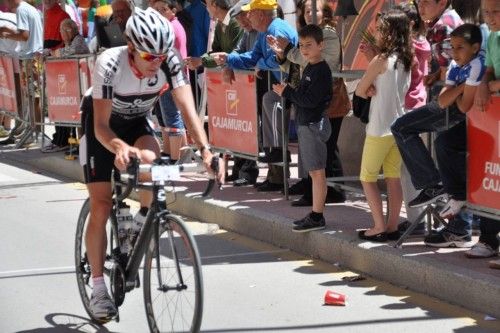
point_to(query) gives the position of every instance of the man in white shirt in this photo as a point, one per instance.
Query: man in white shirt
(29, 29)
(7, 46)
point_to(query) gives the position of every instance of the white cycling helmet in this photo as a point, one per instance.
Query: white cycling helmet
(149, 31)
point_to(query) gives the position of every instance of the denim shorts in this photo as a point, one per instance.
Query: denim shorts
(171, 116)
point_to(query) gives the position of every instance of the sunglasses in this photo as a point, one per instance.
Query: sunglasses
(149, 57)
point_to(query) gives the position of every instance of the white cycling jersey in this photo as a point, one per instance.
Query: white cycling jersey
(133, 97)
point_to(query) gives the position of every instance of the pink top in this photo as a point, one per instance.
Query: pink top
(180, 42)
(417, 94)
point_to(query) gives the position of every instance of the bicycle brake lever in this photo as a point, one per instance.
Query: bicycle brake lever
(214, 165)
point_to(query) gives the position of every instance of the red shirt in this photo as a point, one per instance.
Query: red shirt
(53, 18)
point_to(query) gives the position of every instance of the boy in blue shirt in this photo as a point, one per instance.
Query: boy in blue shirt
(464, 75)
(311, 99)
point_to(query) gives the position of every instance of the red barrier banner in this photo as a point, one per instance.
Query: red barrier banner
(483, 161)
(232, 112)
(63, 90)
(86, 70)
(8, 101)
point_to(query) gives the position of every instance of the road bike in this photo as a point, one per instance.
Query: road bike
(172, 275)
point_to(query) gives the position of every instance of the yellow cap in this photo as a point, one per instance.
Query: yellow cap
(260, 4)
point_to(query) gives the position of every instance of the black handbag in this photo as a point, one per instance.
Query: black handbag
(361, 107)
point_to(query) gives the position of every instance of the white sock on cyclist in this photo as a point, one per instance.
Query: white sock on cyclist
(99, 285)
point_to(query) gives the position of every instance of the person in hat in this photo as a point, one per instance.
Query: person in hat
(262, 15)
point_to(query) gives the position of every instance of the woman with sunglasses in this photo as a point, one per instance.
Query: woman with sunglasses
(127, 83)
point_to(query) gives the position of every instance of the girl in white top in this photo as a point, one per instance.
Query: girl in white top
(386, 80)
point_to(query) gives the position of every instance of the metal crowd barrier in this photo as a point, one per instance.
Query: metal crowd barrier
(54, 85)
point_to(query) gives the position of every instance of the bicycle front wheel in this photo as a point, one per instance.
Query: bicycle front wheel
(173, 284)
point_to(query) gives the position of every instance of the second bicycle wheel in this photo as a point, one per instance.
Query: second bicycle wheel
(173, 284)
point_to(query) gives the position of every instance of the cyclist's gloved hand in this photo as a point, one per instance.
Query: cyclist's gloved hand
(123, 152)
(216, 169)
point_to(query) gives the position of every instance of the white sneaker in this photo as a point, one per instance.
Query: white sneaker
(451, 208)
(481, 250)
(103, 308)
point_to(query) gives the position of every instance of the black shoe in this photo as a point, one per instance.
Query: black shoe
(274, 156)
(395, 235)
(243, 182)
(335, 198)
(231, 178)
(428, 196)
(380, 237)
(269, 187)
(445, 238)
(297, 188)
(302, 202)
(418, 231)
(308, 224)
(8, 141)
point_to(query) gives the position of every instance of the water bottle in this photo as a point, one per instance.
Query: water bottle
(136, 227)
(125, 221)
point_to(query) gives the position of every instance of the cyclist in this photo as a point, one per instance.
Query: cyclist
(127, 83)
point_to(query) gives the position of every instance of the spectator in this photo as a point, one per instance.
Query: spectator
(169, 117)
(201, 23)
(262, 16)
(440, 21)
(9, 46)
(29, 34)
(464, 75)
(488, 242)
(185, 19)
(121, 11)
(74, 43)
(28, 31)
(311, 99)
(53, 40)
(245, 171)
(198, 40)
(331, 52)
(226, 36)
(91, 19)
(54, 14)
(386, 81)
(416, 96)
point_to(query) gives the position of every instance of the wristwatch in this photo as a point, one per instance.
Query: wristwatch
(205, 147)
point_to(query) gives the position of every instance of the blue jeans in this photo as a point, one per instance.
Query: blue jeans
(450, 147)
(451, 150)
(171, 115)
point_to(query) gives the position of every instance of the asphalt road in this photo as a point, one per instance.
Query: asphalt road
(250, 286)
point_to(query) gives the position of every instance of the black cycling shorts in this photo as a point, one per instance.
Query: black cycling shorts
(99, 161)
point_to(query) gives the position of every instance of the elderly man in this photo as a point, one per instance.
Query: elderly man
(262, 17)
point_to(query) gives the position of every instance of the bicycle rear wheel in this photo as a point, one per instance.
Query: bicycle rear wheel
(82, 265)
(173, 284)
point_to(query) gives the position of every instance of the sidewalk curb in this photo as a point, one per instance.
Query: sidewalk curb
(451, 283)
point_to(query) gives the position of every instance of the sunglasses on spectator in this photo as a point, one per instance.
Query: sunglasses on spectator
(150, 57)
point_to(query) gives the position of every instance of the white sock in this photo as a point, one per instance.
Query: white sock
(99, 285)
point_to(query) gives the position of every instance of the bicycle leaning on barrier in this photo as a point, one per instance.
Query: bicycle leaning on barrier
(172, 276)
